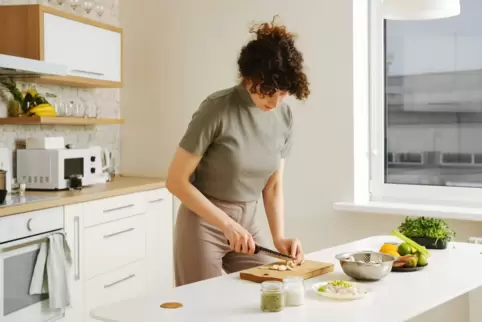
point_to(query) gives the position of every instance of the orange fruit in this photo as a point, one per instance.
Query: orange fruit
(387, 248)
(396, 254)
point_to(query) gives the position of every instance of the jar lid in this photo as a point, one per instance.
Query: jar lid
(272, 285)
(290, 279)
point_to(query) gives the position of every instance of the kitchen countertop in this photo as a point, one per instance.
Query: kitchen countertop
(398, 297)
(119, 186)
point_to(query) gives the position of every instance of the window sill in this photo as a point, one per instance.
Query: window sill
(418, 210)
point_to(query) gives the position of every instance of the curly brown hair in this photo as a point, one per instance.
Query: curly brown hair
(272, 62)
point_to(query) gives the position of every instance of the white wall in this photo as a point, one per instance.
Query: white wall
(188, 48)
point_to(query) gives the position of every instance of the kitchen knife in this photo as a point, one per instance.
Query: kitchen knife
(271, 253)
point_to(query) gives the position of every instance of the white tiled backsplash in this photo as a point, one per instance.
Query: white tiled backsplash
(107, 102)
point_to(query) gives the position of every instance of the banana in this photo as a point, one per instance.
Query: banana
(32, 92)
(42, 110)
(42, 107)
(46, 113)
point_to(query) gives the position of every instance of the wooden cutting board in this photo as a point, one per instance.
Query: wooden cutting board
(308, 270)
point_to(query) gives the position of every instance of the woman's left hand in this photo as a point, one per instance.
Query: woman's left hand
(290, 247)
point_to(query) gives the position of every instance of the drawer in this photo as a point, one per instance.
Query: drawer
(31, 223)
(110, 209)
(115, 244)
(122, 284)
(156, 196)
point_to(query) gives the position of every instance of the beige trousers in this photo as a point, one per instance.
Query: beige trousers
(201, 250)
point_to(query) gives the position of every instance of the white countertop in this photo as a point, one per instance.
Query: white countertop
(397, 297)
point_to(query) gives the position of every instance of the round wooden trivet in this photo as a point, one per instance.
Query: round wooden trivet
(171, 305)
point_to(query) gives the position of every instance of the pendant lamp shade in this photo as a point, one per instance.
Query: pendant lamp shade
(420, 9)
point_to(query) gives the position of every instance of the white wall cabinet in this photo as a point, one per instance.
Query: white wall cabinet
(91, 50)
(121, 248)
(94, 52)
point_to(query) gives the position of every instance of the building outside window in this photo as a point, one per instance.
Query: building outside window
(426, 107)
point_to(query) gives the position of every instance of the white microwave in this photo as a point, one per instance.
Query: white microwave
(50, 169)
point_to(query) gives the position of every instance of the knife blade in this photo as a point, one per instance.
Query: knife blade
(271, 253)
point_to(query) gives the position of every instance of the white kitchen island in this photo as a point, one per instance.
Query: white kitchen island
(398, 297)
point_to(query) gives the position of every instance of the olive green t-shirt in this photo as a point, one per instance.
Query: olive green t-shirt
(241, 145)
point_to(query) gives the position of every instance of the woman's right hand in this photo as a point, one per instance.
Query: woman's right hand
(240, 240)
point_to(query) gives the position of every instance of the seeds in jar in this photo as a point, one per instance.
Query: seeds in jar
(272, 301)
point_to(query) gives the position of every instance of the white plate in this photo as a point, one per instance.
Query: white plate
(361, 287)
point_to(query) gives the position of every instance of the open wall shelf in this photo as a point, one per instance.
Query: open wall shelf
(36, 120)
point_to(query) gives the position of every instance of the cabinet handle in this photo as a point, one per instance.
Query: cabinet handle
(118, 233)
(156, 200)
(29, 224)
(118, 208)
(120, 281)
(77, 247)
(87, 72)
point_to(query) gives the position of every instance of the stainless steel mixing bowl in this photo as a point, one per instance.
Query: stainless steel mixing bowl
(366, 265)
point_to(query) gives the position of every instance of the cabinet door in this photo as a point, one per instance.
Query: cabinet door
(89, 51)
(124, 283)
(74, 235)
(159, 241)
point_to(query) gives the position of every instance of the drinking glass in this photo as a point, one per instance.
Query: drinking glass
(69, 108)
(90, 110)
(59, 108)
(88, 6)
(99, 9)
(60, 2)
(78, 110)
(74, 4)
(114, 7)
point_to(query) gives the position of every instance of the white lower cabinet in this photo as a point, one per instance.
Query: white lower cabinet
(159, 245)
(121, 284)
(124, 252)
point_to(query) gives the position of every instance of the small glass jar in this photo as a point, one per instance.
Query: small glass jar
(75, 182)
(294, 290)
(272, 296)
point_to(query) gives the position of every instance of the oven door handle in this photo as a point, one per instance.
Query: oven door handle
(28, 240)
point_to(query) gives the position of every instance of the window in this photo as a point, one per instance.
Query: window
(426, 107)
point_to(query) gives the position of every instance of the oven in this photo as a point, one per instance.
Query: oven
(20, 239)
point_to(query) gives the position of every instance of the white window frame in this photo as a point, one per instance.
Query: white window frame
(398, 193)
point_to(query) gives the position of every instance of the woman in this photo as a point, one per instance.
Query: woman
(232, 154)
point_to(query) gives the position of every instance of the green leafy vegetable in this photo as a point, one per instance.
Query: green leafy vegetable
(339, 283)
(427, 227)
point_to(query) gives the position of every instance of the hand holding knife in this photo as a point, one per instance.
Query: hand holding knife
(271, 253)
